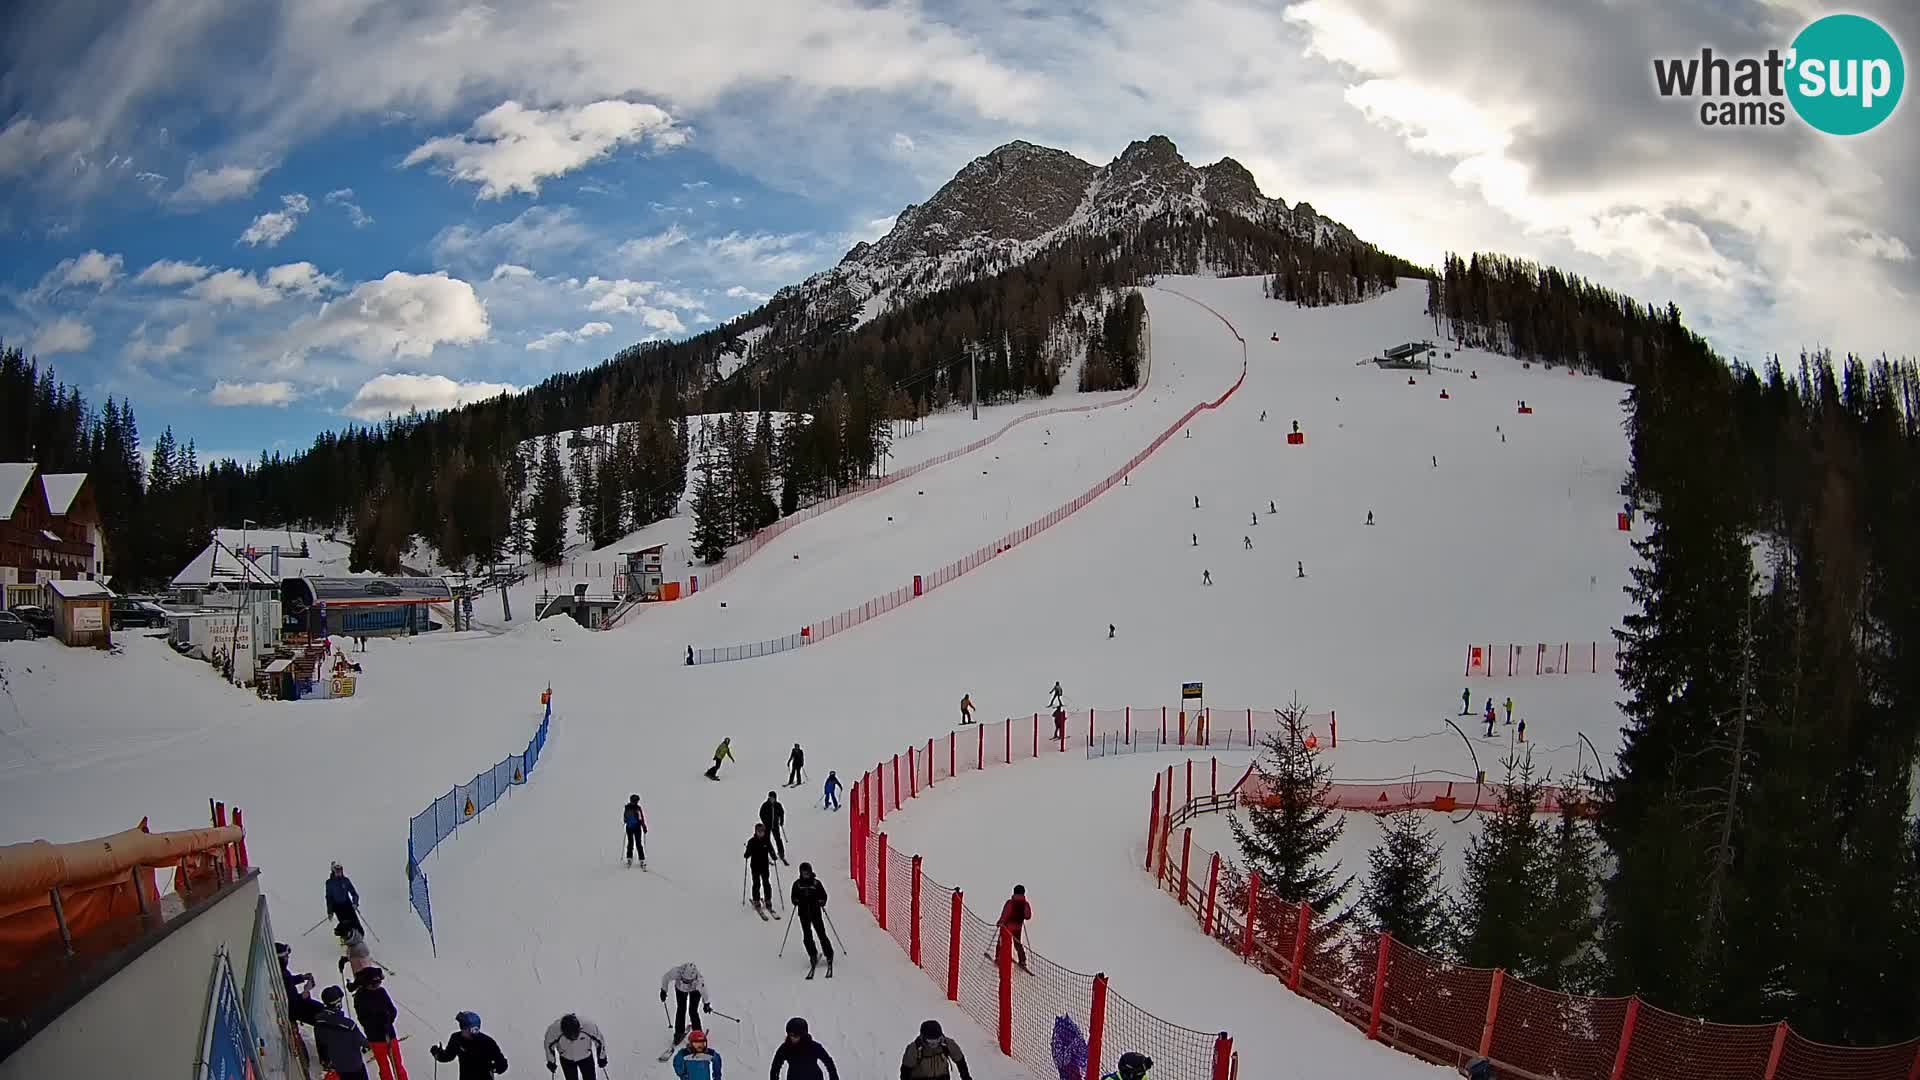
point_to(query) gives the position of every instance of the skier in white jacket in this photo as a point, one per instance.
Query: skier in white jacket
(578, 1044)
(690, 990)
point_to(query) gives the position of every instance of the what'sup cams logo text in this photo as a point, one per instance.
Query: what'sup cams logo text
(1842, 75)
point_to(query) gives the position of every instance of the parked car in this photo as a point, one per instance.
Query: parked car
(14, 628)
(37, 617)
(130, 612)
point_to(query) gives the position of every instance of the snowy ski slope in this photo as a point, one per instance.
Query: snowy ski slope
(535, 915)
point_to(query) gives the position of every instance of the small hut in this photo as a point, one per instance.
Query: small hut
(82, 612)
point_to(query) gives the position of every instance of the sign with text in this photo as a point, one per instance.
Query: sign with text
(1190, 691)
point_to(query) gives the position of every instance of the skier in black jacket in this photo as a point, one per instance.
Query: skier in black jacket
(802, 1056)
(796, 761)
(774, 817)
(479, 1056)
(810, 904)
(759, 858)
(338, 1041)
(374, 1007)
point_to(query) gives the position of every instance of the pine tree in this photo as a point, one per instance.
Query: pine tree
(710, 535)
(1286, 834)
(1507, 873)
(1404, 894)
(1568, 925)
(551, 498)
(586, 486)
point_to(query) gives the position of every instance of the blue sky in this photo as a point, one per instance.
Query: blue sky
(266, 221)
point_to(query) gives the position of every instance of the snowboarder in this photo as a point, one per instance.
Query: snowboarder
(695, 1061)
(1131, 1066)
(774, 817)
(723, 752)
(1247, 542)
(1206, 577)
(1299, 568)
(830, 798)
(809, 899)
(1013, 918)
(353, 950)
(577, 1043)
(1196, 539)
(927, 1057)
(1059, 724)
(1109, 631)
(1056, 697)
(802, 1056)
(374, 1007)
(1270, 508)
(689, 994)
(966, 708)
(759, 856)
(338, 1040)
(1466, 700)
(479, 1056)
(796, 763)
(636, 820)
(343, 900)
(1369, 517)
(1509, 705)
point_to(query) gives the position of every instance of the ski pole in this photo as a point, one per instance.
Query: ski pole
(835, 929)
(364, 923)
(717, 1012)
(783, 940)
(743, 884)
(667, 1014)
(778, 906)
(318, 925)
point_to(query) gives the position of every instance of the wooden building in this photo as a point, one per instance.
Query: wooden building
(82, 612)
(49, 528)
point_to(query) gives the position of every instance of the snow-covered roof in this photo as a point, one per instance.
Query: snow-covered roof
(61, 488)
(217, 563)
(70, 589)
(14, 478)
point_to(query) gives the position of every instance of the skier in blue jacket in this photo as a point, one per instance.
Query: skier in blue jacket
(343, 900)
(695, 1061)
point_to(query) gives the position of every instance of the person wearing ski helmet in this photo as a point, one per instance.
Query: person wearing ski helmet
(577, 1043)
(479, 1056)
(1131, 1066)
(759, 856)
(690, 990)
(343, 900)
(374, 1006)
(928, 1057)
(695, 1061)
(636, 822)
(336, 1038)
(802, 1056)
(809, 899)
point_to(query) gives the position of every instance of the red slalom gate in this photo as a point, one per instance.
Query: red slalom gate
(972, 961)
(1448, 1014)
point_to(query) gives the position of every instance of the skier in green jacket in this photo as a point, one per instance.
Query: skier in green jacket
(723, 752)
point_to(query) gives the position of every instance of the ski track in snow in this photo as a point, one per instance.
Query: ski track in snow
(1498, 543)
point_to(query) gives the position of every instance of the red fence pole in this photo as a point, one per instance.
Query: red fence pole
(1189, 803)
(1007, 730)
(854, 846)
(1779, 1043)
(952, 738)
(980, 751)
(928, 758)
(1097, 1024)
(879, 777)
(1222, 1057)
(1004, 961)
(883, 881)
(1212, 890)
(1036, 735)
(1379, 985)
(1186, 853)
(1300, 929)
(896, 781)
(953, 948)
(913, 776)
(1213, 787)
(1163, 725)
(913, 924)
(1493, 1010)
(1626, 1039)
(1333, 728)
(1129, 726)
(1089, 727)
(1153, 821)
(240, 845)
(1253, 912)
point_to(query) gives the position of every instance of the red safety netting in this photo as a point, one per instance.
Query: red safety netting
(1447, 1013)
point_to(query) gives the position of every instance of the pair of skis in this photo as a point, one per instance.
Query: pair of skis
(760, 908)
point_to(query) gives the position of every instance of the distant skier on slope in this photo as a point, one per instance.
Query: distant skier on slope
(343, 900)
(1509, 705)
(830, 798)
(802, 1056)
(1270, 508)
(809, 899)
(1247, 542)
(1466, 700)
(636, 822)
(759, 856)
(966, 708)
(689, 992)
(774, 817)
(723, 752)
(796, 763)
(1055, 697)
(1014, 915)
(1206, 577)
(1256, 519)
(1059, 724)
(577, 1043)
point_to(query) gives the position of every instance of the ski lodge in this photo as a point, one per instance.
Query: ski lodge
(49, 528)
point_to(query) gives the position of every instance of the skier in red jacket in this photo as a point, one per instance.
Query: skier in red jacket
(1013, 916)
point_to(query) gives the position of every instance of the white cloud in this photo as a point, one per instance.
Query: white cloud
(903, 143)
(26, 143)
(778, 256)
(513, 148)
(696, 185)
(252, 393)
(1880, 246)
(878, 227)
(91, 268)
(537, 232)
(741, 292)
(648, 301)
(174, 343)
(272, 227)
(205, 186)
(343, 198)
(236, 288)
(555, 338)
(61, 335)
(167, 272)
(301, 278)
(401, 314)
(397, 394)
(642, 248)
(509, 271)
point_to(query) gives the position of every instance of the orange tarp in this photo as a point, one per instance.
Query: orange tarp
(28, 871)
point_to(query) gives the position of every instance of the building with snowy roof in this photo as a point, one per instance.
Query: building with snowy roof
(49, 528)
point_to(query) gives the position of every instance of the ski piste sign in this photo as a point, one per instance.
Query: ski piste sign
(1190, 691)
(1843, 74)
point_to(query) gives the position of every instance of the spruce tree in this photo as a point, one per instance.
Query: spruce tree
(711, 511)
(1568, 924)
(1286, 834)
(1404, 894)
(551, 498)
(1507, 874)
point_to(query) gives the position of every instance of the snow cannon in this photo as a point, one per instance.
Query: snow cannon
(1444, 396)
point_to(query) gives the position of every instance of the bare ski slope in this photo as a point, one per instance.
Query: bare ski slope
(535, 914)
